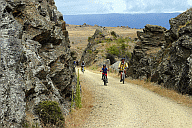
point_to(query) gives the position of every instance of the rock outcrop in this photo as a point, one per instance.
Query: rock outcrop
(143, 60)
(165, 56)
(90, 54)
(36, 63)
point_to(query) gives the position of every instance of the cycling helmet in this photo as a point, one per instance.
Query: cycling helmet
(123, 59)
(104, 65)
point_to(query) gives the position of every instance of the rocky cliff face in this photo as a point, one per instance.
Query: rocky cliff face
(165, 56)
(36, 63)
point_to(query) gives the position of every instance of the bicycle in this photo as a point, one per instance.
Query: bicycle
(105, 79)
(82, 69)
(123, 75)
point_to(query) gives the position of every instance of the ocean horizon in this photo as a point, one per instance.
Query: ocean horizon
(136, 20)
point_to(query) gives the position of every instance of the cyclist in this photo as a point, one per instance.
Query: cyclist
(122, 66)
(104, 71)
(74, 63)
(77, 62)
(82, 65)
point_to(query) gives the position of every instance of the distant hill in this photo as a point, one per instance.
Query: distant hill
(116, 19)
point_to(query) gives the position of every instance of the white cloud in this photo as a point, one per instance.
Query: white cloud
(119, 6)
(84, 6)
(189, 2)
(73, 7)
(159, 6)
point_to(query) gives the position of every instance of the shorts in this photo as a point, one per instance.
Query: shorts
(120, 72)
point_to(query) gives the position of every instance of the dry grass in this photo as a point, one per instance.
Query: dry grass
(79, 36)
(169, 93)
(78, 116)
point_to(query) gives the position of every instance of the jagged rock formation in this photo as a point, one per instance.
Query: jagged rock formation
(164, 56)
(144, 54)
(36, 62)
(90, 54)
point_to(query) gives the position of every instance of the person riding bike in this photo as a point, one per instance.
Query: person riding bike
(82, 65)
(74, 63)
(122, 66)
(104, 71)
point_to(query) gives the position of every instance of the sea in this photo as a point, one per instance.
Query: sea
(137, 21)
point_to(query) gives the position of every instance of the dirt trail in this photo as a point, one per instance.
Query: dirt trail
(128, 105)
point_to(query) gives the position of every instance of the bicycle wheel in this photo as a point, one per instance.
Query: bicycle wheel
(105, 80)
(123, 77)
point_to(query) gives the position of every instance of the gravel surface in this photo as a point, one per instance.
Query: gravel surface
(128, 105)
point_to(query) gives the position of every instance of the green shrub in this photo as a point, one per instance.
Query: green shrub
(100, 33)
(120, 40)
(89, 38)
(113, 34)
(108, 40)
(89, 51)
(128, 54)
(123, 46)
(113, 50)
(127, 39)
(97, 41)
(49, 112)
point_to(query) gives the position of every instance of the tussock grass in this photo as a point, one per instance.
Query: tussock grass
(169, 93)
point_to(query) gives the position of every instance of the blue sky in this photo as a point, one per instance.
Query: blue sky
(75, 7)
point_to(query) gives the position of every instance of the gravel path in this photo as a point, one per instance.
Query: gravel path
(127, 106)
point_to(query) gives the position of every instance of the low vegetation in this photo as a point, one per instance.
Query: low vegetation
(50, 113)
(89, 51)
(120, 48)
(78, 94)
(114, 34)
